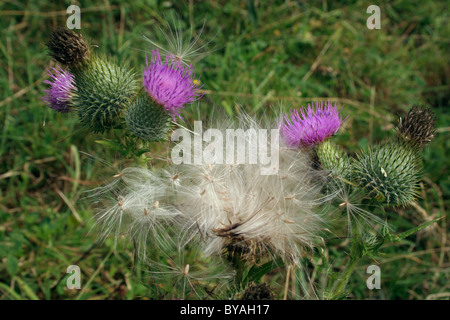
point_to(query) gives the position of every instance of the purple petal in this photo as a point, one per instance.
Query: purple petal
(311, 127)
(58, 96)
(171, 84)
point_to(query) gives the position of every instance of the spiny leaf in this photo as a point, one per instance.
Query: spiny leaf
(401, 236)
(257, 272)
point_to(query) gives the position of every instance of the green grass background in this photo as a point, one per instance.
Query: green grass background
(262, 56)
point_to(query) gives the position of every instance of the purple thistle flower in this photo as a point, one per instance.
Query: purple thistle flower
(172, 85)
(308, 128)
(58, 96)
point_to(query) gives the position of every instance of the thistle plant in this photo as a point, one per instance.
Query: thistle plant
(107, 96)
(168, 88)
(384, 175)
(230, 212)
(104, 89)
(230, 217)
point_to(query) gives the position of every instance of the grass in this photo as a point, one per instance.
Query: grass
(262, 58)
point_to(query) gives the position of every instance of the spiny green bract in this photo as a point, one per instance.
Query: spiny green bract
(103, 91)
(390, 172)
(147, 120)
(334, 159)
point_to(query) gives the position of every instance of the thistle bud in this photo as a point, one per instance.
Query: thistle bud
(334, 159)
(104, 91)
(67, 47)
(147, 120)
(390, 172)
(418, 125)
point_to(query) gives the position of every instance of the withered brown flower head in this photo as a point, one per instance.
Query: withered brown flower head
(258, 292)
(67, 47)
(418, 125)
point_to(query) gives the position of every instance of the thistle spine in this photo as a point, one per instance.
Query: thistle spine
(105, 89)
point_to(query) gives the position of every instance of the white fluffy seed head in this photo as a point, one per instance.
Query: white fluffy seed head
(236, 208)
(229, 208)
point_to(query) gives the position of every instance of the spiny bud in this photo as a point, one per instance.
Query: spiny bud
(418, 125)
(147, 120)
(67, 47)
(334, 159)
(390, 172)
(371, 240)
(104, 91)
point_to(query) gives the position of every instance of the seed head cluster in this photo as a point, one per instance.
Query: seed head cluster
(231, 208)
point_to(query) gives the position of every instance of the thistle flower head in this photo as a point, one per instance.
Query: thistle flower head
(67, 47)
(239, 212)
(59, 96)
(312, 126)
(418, 125)
(170, 84)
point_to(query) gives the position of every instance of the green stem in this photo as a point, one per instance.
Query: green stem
(356, 253)
(238, 266)
(339, 288)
